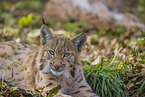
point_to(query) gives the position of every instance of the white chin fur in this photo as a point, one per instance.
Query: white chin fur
(56, 73)
(64, 73)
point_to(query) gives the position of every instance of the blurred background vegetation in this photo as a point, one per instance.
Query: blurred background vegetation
(114, 59)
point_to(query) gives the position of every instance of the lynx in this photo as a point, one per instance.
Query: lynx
(55, 64)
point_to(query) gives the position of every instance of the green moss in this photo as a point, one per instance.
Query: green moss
(26, 21)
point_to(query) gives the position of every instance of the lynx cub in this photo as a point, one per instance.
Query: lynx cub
(56, 64)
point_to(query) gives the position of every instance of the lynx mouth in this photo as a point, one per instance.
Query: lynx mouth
(57, 68)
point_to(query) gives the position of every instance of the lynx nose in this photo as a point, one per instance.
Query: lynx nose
(57, 66)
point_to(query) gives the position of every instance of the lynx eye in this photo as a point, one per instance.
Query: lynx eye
(66, 55)
(51, 52)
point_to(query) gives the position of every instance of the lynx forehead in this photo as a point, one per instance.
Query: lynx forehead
(60, 45)
(55, 64)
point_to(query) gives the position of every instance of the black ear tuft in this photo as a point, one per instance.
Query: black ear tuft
(79, 41)
(43, 21)
(46, 34)
(86, 31)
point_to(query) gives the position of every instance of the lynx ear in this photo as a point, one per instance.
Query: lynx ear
(46, 34)
(79, 41)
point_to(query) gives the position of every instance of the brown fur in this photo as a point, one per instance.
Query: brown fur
(56, 64)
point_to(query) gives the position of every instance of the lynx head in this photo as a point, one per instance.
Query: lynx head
(59, 54)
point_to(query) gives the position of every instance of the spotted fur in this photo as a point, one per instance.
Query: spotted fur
(56, 64)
